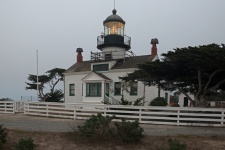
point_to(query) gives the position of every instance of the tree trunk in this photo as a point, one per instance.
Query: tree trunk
(200, 102)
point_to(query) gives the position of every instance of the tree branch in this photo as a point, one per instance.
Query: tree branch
(210, 78)
(199, 83)
(214, 87)
(180, 89)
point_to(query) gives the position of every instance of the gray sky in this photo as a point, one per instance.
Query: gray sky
(57, 27)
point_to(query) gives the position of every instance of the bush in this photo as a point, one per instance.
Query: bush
(139, 102)
(124, 101)
(175, 145)
(3, 134)
(25, 144)
(96, 126)
(100, 127)
(129, 132)
(158, 101)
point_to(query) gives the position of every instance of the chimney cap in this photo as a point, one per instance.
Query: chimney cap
(79, 50)
(155, 41)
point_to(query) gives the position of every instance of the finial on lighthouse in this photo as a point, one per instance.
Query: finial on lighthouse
(154, 47)
(114, 10)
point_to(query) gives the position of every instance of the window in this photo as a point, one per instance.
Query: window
(72, 89)
(117, 88)
(93, 89)
(108, 56)
(101, 67)
(133, 88)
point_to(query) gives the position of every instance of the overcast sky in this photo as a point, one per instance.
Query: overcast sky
(57, 27)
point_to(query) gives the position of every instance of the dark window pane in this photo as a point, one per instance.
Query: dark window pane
(117, 88)
(133, 88)
(72, 89)
(93, 89)
(101, 67)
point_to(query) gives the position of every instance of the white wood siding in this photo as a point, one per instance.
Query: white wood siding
(150, 92)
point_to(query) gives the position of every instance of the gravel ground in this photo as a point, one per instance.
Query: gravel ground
(33, 123)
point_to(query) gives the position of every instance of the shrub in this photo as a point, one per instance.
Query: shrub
(124, 101)
(96, 126)
(25, 144)
(129, 132)
(175, 145)
(158, 101)
(3, 134)
(139, 102)
(100, 127)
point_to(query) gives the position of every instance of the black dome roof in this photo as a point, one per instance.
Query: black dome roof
(114, 17)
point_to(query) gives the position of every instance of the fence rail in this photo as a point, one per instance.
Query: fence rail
(152, 115)
(7, 107)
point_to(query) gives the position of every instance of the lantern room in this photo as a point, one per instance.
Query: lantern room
(114, 34)
(114, 24)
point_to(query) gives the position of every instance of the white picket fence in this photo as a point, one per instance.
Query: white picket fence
(11, 107)
(179, 116)
(7, 107)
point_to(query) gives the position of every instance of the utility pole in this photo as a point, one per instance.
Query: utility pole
(37, 76)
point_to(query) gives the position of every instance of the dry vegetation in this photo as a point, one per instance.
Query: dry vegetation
(66, 141)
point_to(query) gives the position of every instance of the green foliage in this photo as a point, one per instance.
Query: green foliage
(194, 70)
(124, 101)
(96, 126)
(175, 145)
(1, 145)
(100, 127)
(158, 101)
(215, 96)
(138, 102)
(52, 78)
(6, 99)
(129, 132)
(55, 96)
(3, 134)
(25, 144)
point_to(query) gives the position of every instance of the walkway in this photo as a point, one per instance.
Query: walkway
(33, 123)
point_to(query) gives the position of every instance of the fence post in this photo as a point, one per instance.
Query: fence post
(47, 109)
(74, 115)
(178, 117)
(5, 107)
(24, 107)
(28, 105)
(222, 118)
(14, 107)
(105, 111)
(140, 115)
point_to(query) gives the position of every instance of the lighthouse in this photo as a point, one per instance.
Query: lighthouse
(113, 42)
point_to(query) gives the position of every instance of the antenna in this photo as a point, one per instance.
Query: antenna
(114, 4)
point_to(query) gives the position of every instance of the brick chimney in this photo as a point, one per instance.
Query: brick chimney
(154, 47)
(79, 55)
